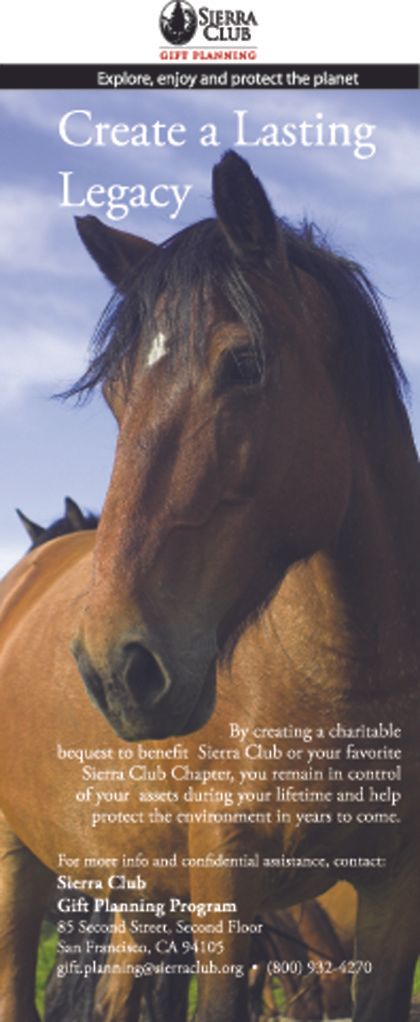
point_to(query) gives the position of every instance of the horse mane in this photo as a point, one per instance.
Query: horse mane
(366, 364)
(62, 527)
(199, 261)
(73, 520)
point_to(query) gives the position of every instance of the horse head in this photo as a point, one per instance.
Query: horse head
(232, 458)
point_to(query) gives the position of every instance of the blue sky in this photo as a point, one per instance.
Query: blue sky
(52, 294)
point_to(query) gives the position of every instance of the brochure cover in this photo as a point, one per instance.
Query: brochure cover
(209, 654)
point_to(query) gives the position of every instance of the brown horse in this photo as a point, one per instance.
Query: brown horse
(254, 376)
(289, 935)
(262, 431)
(73, 520)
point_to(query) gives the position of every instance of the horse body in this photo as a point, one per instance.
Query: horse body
(41, 815)
(40, 805)
(265, 466)
(46, 590)
(73, 718)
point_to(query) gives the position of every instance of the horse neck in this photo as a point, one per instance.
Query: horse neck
(377, 554)
(345, 622)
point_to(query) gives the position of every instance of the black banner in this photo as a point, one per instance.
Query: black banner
(206, 74)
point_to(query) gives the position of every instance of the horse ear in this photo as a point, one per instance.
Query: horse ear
(34, 531)
(115, 252)
(73, 514)
(244, 210)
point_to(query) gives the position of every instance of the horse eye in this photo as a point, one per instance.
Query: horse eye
(239, 367)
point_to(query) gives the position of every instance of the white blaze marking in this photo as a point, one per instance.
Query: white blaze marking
(157, 350)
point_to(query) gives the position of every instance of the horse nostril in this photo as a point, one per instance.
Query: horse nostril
(142, 674)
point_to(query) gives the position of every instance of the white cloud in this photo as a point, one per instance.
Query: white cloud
(404, 321)
(31, 234)
(9, 555)
(391, 170)
(34, 357)
(409, 350)
(399, 151)
(21, 248)
(29, 107)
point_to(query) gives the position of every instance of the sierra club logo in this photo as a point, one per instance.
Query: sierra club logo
(178, 22)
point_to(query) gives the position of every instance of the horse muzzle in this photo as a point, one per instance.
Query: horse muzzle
(141, 698)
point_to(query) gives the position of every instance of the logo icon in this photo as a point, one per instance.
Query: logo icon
(178, 22)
